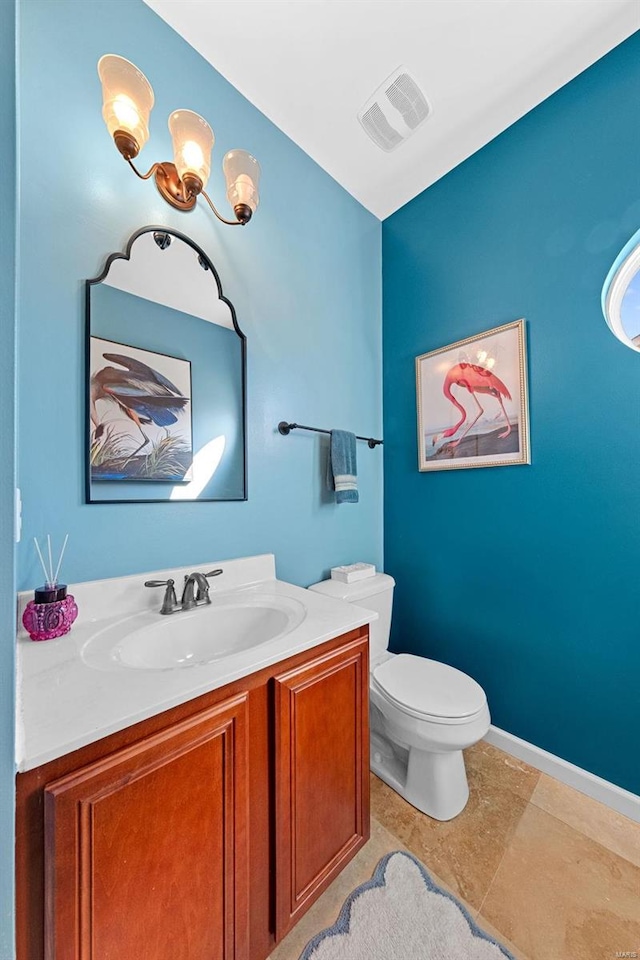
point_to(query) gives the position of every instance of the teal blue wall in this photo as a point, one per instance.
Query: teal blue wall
(304, 277)
(526, 576)
(7, 465)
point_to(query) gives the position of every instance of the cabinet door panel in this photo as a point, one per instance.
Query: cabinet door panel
(146, 849)
(322, 775)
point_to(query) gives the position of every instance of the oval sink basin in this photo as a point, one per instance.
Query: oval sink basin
(197, 637)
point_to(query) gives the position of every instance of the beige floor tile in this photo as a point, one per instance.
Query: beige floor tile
(594, 819)
(558, 895)
(497, 770)
(389, 809)
(465, 852)
(484, 924)
(326, 909)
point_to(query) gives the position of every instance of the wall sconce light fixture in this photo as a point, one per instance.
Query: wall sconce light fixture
(127, 101)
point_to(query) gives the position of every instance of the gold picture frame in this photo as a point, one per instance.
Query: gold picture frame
(473, 408)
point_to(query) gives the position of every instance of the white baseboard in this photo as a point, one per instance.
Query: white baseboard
(624, 802)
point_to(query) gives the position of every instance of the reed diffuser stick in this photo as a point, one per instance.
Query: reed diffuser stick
(46, 575)
(64, 546)
(50, 579)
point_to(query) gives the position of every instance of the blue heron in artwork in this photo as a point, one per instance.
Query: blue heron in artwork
(143, 394)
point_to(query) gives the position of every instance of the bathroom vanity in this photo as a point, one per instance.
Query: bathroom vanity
(206, 828)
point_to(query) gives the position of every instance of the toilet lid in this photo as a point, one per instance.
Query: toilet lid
(428, 687)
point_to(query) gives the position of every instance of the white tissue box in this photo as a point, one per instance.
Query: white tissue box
(353, 572)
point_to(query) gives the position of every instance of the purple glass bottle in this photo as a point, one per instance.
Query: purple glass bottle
(51, 613)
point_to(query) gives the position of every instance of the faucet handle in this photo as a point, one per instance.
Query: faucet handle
(170, 601)
(214, 573)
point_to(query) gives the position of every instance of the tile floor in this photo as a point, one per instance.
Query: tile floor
(549, 872)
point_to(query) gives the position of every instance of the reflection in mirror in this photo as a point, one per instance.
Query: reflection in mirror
(621, 294)
(166, 366)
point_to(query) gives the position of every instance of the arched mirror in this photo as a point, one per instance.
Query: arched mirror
(165, 377)
(621, 295)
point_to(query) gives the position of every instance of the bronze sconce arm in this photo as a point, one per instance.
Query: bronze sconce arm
(182, 194)
(127, 102)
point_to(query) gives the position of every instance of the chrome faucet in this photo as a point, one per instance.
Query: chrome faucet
(196, 589)
(194, 594)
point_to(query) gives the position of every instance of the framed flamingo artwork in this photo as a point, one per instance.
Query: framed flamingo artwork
(472, 402)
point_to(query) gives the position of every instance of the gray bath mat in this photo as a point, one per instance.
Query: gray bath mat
(400, 914)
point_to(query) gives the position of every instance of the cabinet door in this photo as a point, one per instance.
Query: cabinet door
(321, 775)
(146, 849)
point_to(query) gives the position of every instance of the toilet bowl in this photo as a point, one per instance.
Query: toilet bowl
(423, 713)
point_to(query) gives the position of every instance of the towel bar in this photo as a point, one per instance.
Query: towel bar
(285, 429)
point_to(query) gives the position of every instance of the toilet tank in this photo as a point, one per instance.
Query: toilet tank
(373, 593)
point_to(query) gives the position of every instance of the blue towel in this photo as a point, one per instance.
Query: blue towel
(342, 470)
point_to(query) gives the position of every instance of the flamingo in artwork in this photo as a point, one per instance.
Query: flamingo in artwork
(475, 379)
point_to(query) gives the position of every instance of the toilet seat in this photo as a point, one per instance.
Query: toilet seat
(429, 690)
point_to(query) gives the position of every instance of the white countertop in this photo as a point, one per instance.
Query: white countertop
(63, 703)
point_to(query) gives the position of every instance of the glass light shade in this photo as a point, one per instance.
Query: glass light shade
(242, 173)
(127, 98)
(192, 144)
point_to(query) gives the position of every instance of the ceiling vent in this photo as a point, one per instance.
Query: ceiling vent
(395, 111)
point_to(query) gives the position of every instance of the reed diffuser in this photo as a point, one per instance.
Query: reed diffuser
(52, 611)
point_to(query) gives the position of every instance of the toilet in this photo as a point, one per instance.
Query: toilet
(423, 713)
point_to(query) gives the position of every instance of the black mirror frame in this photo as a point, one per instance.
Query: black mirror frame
(243, 343)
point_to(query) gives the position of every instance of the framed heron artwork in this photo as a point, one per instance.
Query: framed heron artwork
(139, 414)
(472, 401)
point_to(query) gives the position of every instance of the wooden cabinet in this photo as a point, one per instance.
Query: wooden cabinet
(146, 849)
(321, 775)
(205, 832)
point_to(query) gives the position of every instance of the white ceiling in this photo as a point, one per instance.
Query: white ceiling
(310, 65)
